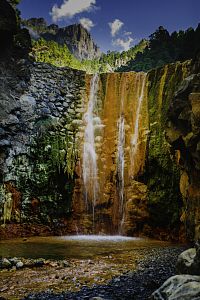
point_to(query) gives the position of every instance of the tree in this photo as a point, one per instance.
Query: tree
(14, 2)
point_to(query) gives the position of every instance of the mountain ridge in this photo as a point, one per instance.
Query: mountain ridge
(75, 37)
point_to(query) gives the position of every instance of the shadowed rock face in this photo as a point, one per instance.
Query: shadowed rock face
(15, 42)
(8, 27)
(183, 133)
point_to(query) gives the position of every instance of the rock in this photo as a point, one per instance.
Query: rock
(65, 264)
(39, 263)
(11, 120)
(97, 298)
(179, 287)
(28, 104)
(14, 261)
(19, 265)
(185, 261)
(4, 143)
(5, 264)
(45, 111)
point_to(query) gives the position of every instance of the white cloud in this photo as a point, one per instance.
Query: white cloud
(124, 44)
(115, 26)
(70, 8)
(86, 23)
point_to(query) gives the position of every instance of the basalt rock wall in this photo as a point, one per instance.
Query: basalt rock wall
(38, 148)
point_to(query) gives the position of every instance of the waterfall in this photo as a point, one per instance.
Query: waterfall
(120, 160)
(120, 169)
(135, 136)
(113, 138)
(89, 153)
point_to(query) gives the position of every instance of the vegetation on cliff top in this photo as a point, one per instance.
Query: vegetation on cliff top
(161, 49)
(164, 48)
(59, 55)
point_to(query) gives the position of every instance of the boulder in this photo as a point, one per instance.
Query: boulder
(19, 265)
(179, 287)
(185, 262)
(5, 263)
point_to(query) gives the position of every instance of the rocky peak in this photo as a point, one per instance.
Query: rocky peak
(35, 22)
(76, 37)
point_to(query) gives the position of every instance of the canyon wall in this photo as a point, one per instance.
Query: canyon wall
(88, 154)
(109, 153)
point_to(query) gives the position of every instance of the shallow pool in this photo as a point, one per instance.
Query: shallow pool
(78, 246)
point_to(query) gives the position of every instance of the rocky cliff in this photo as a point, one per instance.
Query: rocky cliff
(76, 37)
(183, 133)
(49, 134)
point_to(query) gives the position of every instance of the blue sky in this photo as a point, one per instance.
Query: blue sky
(116, 24)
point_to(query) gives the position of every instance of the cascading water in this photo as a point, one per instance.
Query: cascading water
(120, 169)
(135, 136)
(114, 129)
(89, 166)
(120, 162)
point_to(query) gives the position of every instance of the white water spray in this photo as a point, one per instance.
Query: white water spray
(120, 162)
(90, 171)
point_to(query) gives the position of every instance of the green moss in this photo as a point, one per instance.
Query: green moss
(49, 176)
(162, 173)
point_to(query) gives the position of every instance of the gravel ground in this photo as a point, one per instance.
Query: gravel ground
(138, 285)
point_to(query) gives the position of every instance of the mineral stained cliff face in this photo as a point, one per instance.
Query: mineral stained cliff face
(43, 126)
(148, 186)
(119, 197)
